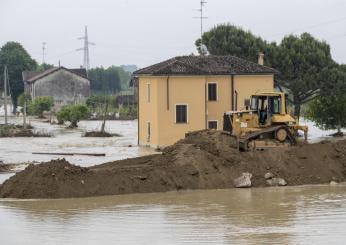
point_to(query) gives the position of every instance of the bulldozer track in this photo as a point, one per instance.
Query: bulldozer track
(243, 142)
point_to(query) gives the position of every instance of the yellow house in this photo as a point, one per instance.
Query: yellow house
(189, 93)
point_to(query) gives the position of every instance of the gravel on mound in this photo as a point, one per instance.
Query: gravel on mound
(203, 160)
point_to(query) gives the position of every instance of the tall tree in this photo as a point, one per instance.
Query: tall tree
(227, 39)
(17, 60)
(299, 59)
(302, 62)
(110, 80)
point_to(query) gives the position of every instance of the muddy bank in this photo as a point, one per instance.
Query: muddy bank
(204, 160)
(12, 167)
(19, 131)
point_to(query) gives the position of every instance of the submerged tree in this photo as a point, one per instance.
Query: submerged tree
(73, 114)
(40, 105)
(328, 112)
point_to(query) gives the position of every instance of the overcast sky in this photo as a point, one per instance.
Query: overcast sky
(144, 32)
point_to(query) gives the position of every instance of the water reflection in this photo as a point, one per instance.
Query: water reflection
(311, 214)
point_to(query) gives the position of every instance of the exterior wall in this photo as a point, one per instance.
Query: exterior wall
(182, 90)
(166, 92)
(248, 85)
(216, 109)
(148, 111)
(65, 87)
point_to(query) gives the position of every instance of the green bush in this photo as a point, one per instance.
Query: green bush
(73, 114)
(24, 98)
(39, 105)
(128, 112)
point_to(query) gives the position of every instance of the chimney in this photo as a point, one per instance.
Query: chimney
(261, 59)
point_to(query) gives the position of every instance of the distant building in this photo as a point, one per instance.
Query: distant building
(191, 93)
(66, 86)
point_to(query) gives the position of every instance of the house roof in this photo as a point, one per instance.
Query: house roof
(205, 65)
(32, 76)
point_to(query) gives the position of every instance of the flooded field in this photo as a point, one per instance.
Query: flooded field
(19, 150)
(292, 215)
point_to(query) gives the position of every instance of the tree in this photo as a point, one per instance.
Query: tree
(73, 114)
(44, 66)
(110, 80)
(227, 39)
(40, 104)
(17, 60)
(328, 112)
(22, 99)
(301, 60)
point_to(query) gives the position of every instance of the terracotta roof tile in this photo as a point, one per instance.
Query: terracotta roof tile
(32, 76)
(205, 65)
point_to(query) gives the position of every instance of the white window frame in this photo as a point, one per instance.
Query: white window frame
(217, 124)
(217, 91)
(148, 92)
(187, 113)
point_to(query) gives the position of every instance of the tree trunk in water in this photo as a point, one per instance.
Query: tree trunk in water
(339, 133)
(74, 124)
(339, 129)
(104, 119)
(297, 110)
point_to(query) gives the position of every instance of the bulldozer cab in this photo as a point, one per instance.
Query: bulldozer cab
(268, 105)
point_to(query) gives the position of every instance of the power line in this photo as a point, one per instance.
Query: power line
(86, 59)
(313, 26)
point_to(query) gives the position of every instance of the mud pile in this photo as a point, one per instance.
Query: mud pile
(203, 160)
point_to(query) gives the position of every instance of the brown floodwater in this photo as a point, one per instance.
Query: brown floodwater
(291, 215)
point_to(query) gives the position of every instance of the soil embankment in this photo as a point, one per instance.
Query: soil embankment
(204, 160)
(11, 130)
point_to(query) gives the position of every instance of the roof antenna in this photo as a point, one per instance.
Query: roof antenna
(204, 50)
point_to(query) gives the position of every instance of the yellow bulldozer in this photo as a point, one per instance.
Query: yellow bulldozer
(264, 123)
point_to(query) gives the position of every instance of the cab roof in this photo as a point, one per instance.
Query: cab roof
(269, 94)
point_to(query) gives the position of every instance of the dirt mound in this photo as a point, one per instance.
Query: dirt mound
(203, 160)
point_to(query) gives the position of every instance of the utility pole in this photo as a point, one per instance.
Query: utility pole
(43, 52)
(5, 94)
(86, 60)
